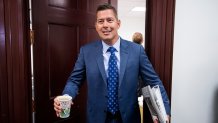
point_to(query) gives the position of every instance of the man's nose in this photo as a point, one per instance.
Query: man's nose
(105, 24)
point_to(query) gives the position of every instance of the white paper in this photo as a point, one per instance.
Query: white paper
(154, 102)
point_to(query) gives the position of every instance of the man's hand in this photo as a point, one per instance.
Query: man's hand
(155, 119)
(57, 107)
(168, 119)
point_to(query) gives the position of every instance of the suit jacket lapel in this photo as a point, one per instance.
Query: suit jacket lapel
(123, 58)
(100, 60)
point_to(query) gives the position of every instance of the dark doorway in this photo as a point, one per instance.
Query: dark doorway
(61, 27)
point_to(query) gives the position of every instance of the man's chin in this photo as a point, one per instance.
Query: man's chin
(106, 39)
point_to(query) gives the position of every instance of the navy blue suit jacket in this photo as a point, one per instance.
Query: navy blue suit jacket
(133, 63)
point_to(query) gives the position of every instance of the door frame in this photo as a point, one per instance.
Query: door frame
(15, 58)
(159, 35)
(15, 63)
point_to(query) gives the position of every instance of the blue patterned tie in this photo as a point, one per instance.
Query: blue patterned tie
(112, 82)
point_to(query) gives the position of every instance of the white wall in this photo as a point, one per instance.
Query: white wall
(195, 62)
(130, 25)
(131, 21)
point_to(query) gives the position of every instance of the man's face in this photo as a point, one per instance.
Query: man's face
(107, 26)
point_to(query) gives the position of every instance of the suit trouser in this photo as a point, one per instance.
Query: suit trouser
(113, 118)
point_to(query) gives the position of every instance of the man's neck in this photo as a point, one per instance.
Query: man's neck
(111, 42)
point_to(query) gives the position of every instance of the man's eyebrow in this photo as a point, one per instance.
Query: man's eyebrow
(110, 18)
(106, 18)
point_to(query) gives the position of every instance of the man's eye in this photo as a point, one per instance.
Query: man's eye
(110, 20)
(100, 21)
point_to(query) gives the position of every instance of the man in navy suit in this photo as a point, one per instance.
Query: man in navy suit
(92, 65)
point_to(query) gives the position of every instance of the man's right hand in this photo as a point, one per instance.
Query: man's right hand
(57, 106)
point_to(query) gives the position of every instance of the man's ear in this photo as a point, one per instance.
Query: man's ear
(119, 23)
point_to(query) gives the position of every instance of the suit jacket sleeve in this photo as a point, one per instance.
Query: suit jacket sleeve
(77, 77)
(150, 77)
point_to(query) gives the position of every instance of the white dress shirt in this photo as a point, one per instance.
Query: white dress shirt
(106, 54)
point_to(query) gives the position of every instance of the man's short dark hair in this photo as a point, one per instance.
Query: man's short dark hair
(106, 6)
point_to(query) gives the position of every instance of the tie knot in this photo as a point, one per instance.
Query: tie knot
(111, 50)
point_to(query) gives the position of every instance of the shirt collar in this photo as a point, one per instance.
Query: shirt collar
(116, 46)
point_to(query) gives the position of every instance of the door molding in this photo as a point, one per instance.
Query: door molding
(15, 82)
(159, 39)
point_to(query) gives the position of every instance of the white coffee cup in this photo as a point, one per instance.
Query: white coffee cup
(65, 103)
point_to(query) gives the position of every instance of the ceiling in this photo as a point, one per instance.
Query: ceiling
(125, 7)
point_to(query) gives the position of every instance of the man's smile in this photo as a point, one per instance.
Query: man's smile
(106, 32)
